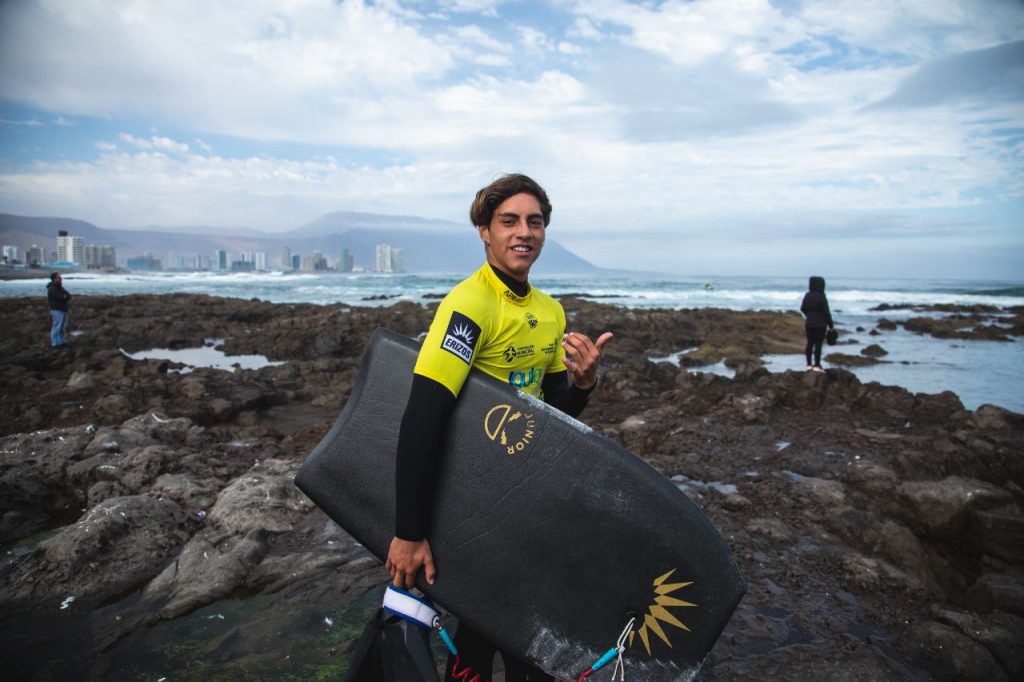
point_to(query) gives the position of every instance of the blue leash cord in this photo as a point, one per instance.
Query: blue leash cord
(444, 637)
(601, 662)
(614, 652)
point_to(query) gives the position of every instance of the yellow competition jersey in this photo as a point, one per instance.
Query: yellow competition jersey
(482, 323)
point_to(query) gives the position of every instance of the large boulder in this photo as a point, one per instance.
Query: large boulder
(33, 485)
(945, 508)
(116, 546)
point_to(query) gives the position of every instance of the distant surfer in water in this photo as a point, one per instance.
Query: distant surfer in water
(818, 319)
(494, 321)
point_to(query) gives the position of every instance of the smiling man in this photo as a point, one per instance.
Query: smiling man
(494, 321)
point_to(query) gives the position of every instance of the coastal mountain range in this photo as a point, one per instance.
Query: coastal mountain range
(428, 245)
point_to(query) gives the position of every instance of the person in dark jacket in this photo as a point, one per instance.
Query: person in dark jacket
(58, 298)
(818, 318)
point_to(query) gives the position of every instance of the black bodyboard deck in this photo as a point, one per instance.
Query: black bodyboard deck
(547, 536)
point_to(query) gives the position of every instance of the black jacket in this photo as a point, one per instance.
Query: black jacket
(815, 305)
(57, 296)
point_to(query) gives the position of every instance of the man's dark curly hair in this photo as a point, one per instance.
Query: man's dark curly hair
(489, 198)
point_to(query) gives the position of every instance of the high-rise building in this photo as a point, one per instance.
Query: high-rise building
(345, 261)
(34, 256)
(286, 258)
(221, 257)
(92, 257)
(314, 263)
(296, 261)
(10, 254)
(100, 257)
(70, 249)
(108, 256)
(260, 258)
(390, 258)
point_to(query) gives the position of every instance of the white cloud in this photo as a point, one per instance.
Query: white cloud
(168, 145)
(686, 33)
(477, 36)
(584, 29)
(27, 123)
(485, 7)
(533, 40)
(258, 68)
(745, 115)
(257, 192)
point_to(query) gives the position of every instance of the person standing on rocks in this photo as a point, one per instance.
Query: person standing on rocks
(482, 318)
(818, 318)
(58, 298)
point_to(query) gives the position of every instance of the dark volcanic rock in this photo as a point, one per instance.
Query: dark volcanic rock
(957, 327)
(115, 546)
(845, 360)
(874, 351)
(880, 531)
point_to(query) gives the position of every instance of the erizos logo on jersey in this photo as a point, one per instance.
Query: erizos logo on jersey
(511, 353)
(461, 336)
(658, 612)
(511, 429)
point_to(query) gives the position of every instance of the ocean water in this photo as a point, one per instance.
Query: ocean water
(978, 371)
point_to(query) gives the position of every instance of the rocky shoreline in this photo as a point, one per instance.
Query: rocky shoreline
(151, 528)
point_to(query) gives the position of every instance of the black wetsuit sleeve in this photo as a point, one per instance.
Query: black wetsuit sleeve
(418, 459)
(567, 397)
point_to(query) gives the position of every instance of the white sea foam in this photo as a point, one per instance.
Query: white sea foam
(978, 371)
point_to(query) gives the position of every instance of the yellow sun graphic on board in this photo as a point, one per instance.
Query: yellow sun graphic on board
(658, 612)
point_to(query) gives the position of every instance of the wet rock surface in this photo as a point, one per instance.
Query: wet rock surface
(151, 527)
(950, 321)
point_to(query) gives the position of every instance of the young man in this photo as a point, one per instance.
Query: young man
(58, 298)
(495, 321)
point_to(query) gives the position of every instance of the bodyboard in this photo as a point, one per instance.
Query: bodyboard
(547, 536)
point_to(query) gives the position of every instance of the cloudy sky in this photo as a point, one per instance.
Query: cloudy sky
(773, 137)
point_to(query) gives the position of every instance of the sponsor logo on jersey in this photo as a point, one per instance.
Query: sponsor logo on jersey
(525, 378)
(550, 348)
(658, 612)
(515, 298)
(511, 353)
(461, 336)
(512, 429)
(531, 320)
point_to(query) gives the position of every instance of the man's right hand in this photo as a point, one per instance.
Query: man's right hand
(405, 558)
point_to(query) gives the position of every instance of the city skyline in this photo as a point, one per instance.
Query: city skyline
(712, 136)
(73, 252)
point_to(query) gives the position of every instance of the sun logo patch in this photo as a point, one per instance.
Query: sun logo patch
(658, 612)
(461, 336)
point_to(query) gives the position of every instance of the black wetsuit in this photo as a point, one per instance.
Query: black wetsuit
(426, 415)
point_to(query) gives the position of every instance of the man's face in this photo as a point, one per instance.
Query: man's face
(515, 236)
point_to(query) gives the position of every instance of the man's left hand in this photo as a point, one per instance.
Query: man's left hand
(582, 356)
